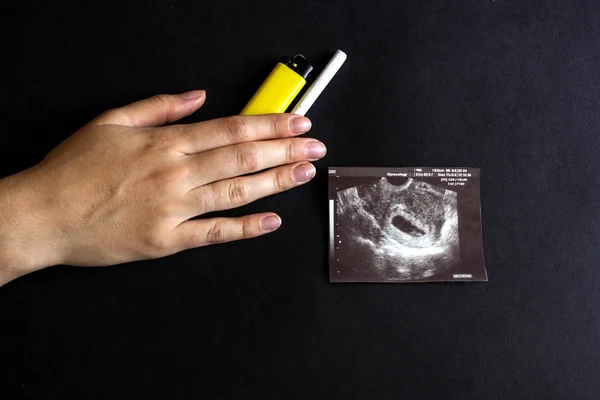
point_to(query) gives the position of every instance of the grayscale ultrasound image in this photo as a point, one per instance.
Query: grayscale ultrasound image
(408, 231)
(397, 230)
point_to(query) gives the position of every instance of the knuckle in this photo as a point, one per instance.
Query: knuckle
(279, 182)
(159, 100)
(246, 230)
(109, 114)
(157, 243)
(176, 131)
(216, 233)
(237, 193)
(182, 135)
(290, 151)
(274, 127)
(165, 211)
(206, 201)
(169, 177)
(114, 116)
(247, 158)
(236, 129)
(160, 140)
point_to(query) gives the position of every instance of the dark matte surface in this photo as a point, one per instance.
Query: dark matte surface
(512, 87)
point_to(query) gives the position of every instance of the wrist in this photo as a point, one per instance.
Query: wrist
(28, 237)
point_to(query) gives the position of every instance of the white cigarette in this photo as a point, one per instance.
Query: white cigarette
(320, 83)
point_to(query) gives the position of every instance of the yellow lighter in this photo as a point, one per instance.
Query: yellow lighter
(280, 88)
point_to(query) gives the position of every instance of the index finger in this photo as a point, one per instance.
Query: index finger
(220, 132)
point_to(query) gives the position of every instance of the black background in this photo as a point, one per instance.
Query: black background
(512, 87)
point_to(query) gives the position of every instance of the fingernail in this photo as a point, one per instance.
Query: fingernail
(303, 172)
(192, 94)
(314, 150)
(300, 124)
(270, 223)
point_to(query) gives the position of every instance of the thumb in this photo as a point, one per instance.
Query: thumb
(154, 111)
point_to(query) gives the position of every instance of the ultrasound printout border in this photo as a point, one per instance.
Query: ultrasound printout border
(470, 265)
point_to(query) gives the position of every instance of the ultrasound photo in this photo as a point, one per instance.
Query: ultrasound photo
(405, 225)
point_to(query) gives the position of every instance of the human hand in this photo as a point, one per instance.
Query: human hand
(124, 188)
